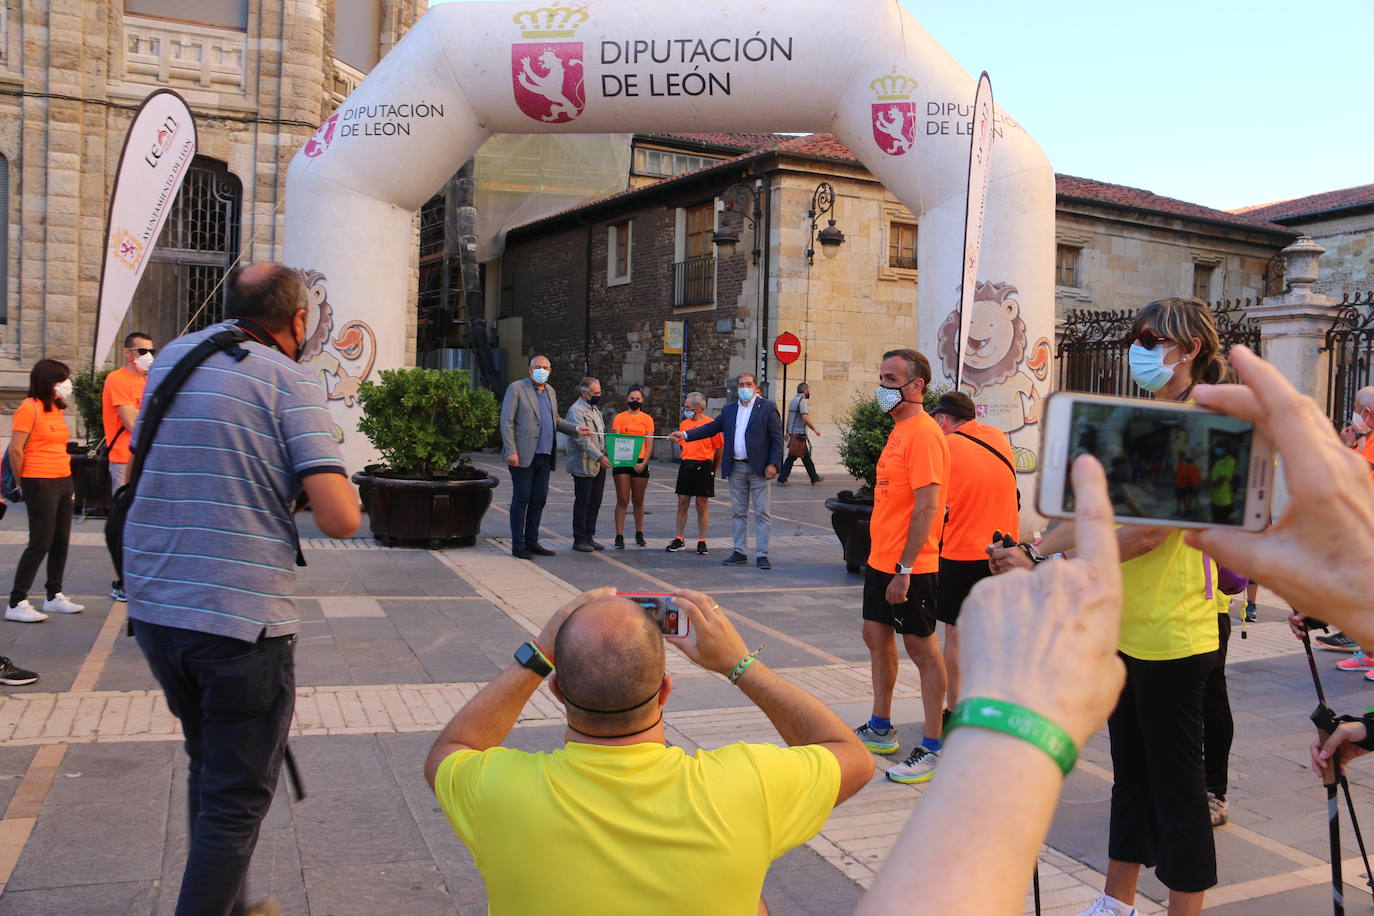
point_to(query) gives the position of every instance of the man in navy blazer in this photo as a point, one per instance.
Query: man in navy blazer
(752, 430)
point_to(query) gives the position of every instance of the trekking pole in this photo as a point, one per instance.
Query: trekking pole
(1035, 883)
(1322, 715)
(293, 774)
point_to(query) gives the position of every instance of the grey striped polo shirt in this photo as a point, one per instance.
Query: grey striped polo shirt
(208, 543)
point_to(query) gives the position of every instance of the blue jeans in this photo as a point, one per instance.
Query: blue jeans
(529, 491)
(234, 700)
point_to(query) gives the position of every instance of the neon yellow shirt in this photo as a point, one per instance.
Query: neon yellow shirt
(1166, 613)
(634, 829)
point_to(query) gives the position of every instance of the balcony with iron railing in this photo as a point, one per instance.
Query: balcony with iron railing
(694, 282)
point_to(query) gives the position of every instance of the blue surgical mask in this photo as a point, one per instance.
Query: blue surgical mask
(687, 413)
(888, 398)
(540, 376)
(1148, 369)
(746, 395)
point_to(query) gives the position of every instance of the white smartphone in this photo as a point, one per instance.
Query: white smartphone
(1168, 464)
(671, 620)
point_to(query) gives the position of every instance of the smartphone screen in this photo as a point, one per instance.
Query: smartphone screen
(667, 616)
(1163, 462)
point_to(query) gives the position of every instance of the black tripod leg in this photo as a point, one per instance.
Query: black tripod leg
(293, 774)
(1333, 814)
(1359, 839)
(1035, 885)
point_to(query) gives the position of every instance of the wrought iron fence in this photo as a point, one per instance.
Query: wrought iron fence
(694, 282)
(1350, 341)
(1091, 346)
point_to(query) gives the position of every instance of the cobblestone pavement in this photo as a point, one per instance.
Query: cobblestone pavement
(92, 776)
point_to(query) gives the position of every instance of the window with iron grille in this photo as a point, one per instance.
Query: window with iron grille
(1066, 265)
(694, 277)
(901, 245)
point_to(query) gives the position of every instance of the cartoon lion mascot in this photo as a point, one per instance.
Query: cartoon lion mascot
(996, 337)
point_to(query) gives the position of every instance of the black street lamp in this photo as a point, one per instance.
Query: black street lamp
(823, 202)
(726, 239)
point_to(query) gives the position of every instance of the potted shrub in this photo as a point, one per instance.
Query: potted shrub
(90, 477)
(863, 433)
(424, 422)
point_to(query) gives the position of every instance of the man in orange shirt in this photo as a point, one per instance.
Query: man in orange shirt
(982, 500)
(1362, 425)
(900, 585)
(696, 475)
(119, 405)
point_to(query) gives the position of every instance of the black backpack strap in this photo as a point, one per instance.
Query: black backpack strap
(1000, 457)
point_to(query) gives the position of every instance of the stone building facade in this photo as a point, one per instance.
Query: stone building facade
(1340, 221)
(259, 76)
(596, 286)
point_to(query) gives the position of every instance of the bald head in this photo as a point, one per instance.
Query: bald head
(1364, 398)
(269, 293)
(610, 657)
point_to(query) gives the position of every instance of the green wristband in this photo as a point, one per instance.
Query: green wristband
(1020, 722)
(742, 667)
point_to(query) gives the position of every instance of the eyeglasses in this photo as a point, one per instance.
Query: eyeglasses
(1149, 339)
(143, 351)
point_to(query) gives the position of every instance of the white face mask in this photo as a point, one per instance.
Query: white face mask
(1358, 424)
(63, 390)
(144, 362)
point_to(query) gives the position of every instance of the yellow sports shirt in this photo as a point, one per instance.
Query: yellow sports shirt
(1166, 613)
(634, 829)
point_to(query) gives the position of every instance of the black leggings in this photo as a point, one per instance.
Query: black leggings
(1159, 793)
(1218, 728)
(49, 501)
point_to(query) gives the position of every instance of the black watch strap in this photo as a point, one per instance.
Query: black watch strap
(529, 656)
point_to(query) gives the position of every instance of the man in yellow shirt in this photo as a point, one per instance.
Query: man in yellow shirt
(615, 821)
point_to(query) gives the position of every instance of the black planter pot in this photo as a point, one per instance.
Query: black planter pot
(92, 485)
(433, 511)
(849, 518)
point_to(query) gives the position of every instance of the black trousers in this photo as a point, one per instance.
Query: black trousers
(806, 463)
(1218, 728)
(49, 501)
(587, 496)
(234, 700)
(1159, 794)
(529, 492)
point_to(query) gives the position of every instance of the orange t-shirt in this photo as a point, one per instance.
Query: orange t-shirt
(45, 451)
(982, 492)
(123, 388)
(702, 449)
(916, 455)
(635, 423)
(1368, 454)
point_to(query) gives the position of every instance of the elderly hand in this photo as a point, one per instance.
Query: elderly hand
(1046, 638)
(770, 472)
(513, 460)
(1342, 739)
(1005, 559)
(677, 435)
(584, 431)
(549, 635)
(714, 643)
(1319, 553)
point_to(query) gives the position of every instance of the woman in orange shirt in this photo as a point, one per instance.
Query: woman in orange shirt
(630, 483)
(39, 460)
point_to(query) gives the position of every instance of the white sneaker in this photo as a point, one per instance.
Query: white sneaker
(916, 768)
(61, 604)
(25, 613)
(1108, 906)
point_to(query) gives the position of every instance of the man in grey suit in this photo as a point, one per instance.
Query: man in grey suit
(587, 463)
(529, 419)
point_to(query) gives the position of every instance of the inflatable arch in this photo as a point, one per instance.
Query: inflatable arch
(867, 73)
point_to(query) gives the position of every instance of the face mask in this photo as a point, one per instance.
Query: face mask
(144, 362)
(688, 414)
(63, 390)
(888, 398)
(1358, 424)
(634, 405)
(540, 376)
(1148, 369)
(594, 399)
(746, 395)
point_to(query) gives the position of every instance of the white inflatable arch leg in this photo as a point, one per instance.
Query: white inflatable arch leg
(872, 76)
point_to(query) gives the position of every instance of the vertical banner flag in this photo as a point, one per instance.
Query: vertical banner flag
(979, 171)
(152, 165)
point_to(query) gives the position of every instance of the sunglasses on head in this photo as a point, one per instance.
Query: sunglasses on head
(1149, 339)
(144, 351)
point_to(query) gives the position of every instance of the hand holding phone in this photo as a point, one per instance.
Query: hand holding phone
(671, 620)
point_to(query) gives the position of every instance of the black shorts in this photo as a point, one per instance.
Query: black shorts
(631, 471)
(957, 578)
(916, 617)
(696, 478)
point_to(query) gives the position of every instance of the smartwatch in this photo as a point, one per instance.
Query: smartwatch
(529, 656)
(903, 570)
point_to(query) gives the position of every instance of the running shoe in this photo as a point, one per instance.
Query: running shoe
(1337, 642)
(117, 592)
(701, 549)
(918, 767)
(14, 676)
(24, 612)
(675, 545)
(1108, 906)
(879, 742)
(1250, 614)
(1357, 662)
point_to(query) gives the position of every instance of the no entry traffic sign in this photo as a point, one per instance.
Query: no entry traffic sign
(787, 348)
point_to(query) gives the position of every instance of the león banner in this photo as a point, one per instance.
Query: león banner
(152, 166)
(979, 171)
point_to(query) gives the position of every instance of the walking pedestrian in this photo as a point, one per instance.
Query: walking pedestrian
(39, 461)
(798, 443)
(752, 432)
(529, 418)
(631, 482)
(696, 474)
(587, 463)
(120, 400)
